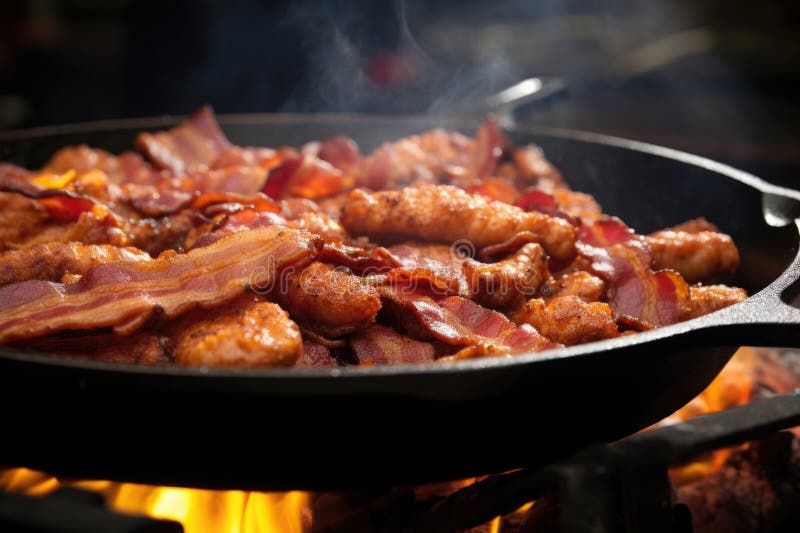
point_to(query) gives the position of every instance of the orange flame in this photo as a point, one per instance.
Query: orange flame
(197, 510)
(732, 387)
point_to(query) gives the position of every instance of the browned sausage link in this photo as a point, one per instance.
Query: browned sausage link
(328, 300)
(568, 319)
(52, 260)
(705, 299)
(257, 334)
(445, 214)
(508, 281)
(697, 256)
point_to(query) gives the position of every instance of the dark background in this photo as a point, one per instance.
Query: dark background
(715, 77)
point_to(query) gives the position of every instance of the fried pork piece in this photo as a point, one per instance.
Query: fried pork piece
(314, 356)
(427, 157)
(301, 213)
(697, 256)
(506, 282)
(327, 300)
(568, 319)
(247, 333)
(705, 299)
(53, 260)
(585, 286)
(534, 167)
(446, 214)
(21, 219)
(695, 225)
(145, 348)
(578, 204)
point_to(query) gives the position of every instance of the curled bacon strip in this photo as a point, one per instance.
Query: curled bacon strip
(383, 345)
(127, 293)
(623, 260)
(460, 322)
(191, 146)
(306, 176)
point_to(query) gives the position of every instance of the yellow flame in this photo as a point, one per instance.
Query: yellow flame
(733, 386)
(198, 510)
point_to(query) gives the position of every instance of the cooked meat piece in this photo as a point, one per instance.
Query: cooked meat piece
(568, 319)
(578, 204)
(446, 214)
(697, 256)
(256, 334)
(52, 260)
(534, 167)
(585, 286)
(428, 157)
(506, 282)
(315, 355)
(302, 213)
(128, 167)
(327, 299)
(696, 225)
(705, 299)
(443, 253)
(321, 224)
(145, 348)
(21, 219)
(332, 206)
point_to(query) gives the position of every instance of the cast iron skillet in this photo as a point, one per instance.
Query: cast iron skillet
(349, 427)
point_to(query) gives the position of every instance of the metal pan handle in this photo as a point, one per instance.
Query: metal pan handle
(769, 318)
(527, 91)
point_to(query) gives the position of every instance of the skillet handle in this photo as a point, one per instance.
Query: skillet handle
(504, 103)
(768, 318)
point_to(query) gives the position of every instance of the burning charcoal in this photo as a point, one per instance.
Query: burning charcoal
(756, 489)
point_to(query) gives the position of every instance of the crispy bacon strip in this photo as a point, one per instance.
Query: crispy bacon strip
(488, 149)
(126, 168)
(341, 152)
(306, 176)
(383, 345)
(460, 322)
(191, 146)
(126, 294)
(431, 157)
(623, 260)
(445, 214)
